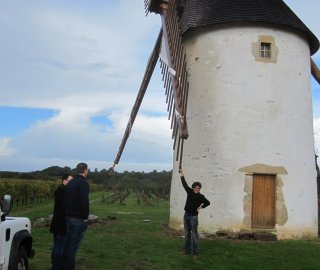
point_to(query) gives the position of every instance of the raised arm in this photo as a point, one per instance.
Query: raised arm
(183, 181)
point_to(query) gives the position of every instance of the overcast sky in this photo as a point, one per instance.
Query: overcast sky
(69, 74)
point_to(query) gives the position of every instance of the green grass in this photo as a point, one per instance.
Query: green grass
(130, 243)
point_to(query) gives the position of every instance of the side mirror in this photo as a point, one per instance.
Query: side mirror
(5, 206)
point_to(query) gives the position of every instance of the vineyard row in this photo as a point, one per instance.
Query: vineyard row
(26, 192)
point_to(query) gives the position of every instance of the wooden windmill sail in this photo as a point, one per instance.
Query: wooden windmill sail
(315, 71)
(174, 72)
(174, 75)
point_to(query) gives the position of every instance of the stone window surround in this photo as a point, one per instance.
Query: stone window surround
(257, 46)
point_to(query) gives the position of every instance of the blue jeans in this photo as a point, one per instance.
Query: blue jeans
(75, 231)
(191, 229)
(57, 251)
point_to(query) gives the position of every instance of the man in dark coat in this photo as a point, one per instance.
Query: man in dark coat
(58, 225)
(194, 203)
(77, 213)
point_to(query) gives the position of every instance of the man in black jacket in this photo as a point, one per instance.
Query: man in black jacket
(194, 203)
(58, 225)
(77, 212)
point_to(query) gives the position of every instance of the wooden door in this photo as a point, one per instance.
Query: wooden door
(263, 201)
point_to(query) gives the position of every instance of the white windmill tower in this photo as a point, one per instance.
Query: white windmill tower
(237, 75)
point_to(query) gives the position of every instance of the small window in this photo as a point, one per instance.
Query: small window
(265, 50)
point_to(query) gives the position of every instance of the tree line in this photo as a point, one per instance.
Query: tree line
(156, 182)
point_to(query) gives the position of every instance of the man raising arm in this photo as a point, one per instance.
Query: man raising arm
(194, 203)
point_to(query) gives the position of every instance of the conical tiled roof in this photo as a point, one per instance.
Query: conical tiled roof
(197, 13)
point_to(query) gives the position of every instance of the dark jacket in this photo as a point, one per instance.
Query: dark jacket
(194, 200)
(77, 198)
(58, 222)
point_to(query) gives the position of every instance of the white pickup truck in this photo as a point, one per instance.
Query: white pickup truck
(15, 239)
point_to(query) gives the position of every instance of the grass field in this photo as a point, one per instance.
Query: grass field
(128, 242)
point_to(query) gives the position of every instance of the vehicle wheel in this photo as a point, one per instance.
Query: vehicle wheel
(22, 260)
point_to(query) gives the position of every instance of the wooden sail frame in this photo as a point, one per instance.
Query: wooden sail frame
(315, 71)
(174, 75)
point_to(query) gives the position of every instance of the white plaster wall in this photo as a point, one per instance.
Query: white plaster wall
(242, 112)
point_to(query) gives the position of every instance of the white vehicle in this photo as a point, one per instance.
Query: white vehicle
(15, 239)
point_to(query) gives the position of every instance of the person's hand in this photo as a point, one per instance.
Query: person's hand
(199, 208)
(181, 171)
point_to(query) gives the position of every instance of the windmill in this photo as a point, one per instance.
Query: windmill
(236, 75)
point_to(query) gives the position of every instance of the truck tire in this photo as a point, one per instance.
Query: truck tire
(22, 260)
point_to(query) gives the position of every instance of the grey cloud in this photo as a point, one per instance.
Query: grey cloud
(63, 66)
(52, 63)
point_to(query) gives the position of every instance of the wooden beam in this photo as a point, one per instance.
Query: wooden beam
(144, 85)
(315, 71)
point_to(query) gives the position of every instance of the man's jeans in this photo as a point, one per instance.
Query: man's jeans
(57, 251)
(191, 229)
(75, 231)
